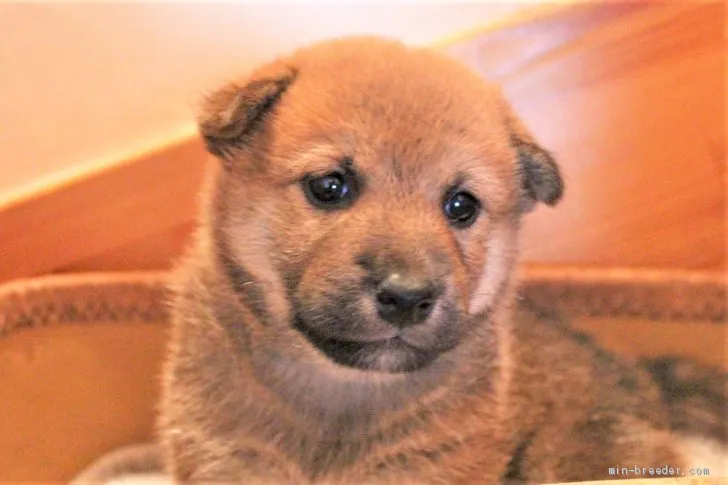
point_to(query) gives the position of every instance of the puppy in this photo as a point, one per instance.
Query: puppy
(347, 313)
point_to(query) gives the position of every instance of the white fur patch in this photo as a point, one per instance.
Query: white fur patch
(500, 260)
(704, 455)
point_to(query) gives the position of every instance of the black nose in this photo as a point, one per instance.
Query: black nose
(405, 301)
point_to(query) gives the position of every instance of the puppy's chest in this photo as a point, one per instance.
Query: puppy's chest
(415, 466)
(421, 454)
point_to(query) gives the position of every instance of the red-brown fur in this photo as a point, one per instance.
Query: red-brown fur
(248, 399)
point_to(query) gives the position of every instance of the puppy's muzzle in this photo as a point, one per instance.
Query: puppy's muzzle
(391, 312)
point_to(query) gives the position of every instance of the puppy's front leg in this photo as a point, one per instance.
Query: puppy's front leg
(233, 473)
(207, 464)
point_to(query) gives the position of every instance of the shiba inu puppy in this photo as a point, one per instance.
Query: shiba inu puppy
(347, 313)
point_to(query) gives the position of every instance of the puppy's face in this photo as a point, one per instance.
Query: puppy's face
(368, 205)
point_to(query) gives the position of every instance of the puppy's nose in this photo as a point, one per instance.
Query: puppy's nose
(405, 301)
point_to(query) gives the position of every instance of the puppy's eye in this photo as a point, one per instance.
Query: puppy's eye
(461, 208)
(331, 191)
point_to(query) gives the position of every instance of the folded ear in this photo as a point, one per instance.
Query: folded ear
(230, 115)
(541, 178)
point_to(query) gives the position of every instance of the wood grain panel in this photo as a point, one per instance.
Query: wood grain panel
(629, 96)
(631, 99)
(136, 215)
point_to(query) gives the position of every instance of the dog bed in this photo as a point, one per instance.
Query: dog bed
(80, 354)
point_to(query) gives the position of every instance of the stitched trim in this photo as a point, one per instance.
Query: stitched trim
(60, 299)
(654, 295)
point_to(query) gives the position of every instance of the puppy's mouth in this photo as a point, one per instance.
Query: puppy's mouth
(392, 354)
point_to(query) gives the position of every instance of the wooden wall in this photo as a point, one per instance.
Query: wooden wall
(629, 96)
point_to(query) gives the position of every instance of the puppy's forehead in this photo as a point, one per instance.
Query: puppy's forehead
(391, 104)
(387, 86)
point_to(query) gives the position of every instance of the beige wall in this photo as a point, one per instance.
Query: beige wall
(85, 84)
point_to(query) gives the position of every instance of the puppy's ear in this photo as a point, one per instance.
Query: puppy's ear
(541, 179)
(230, 115)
